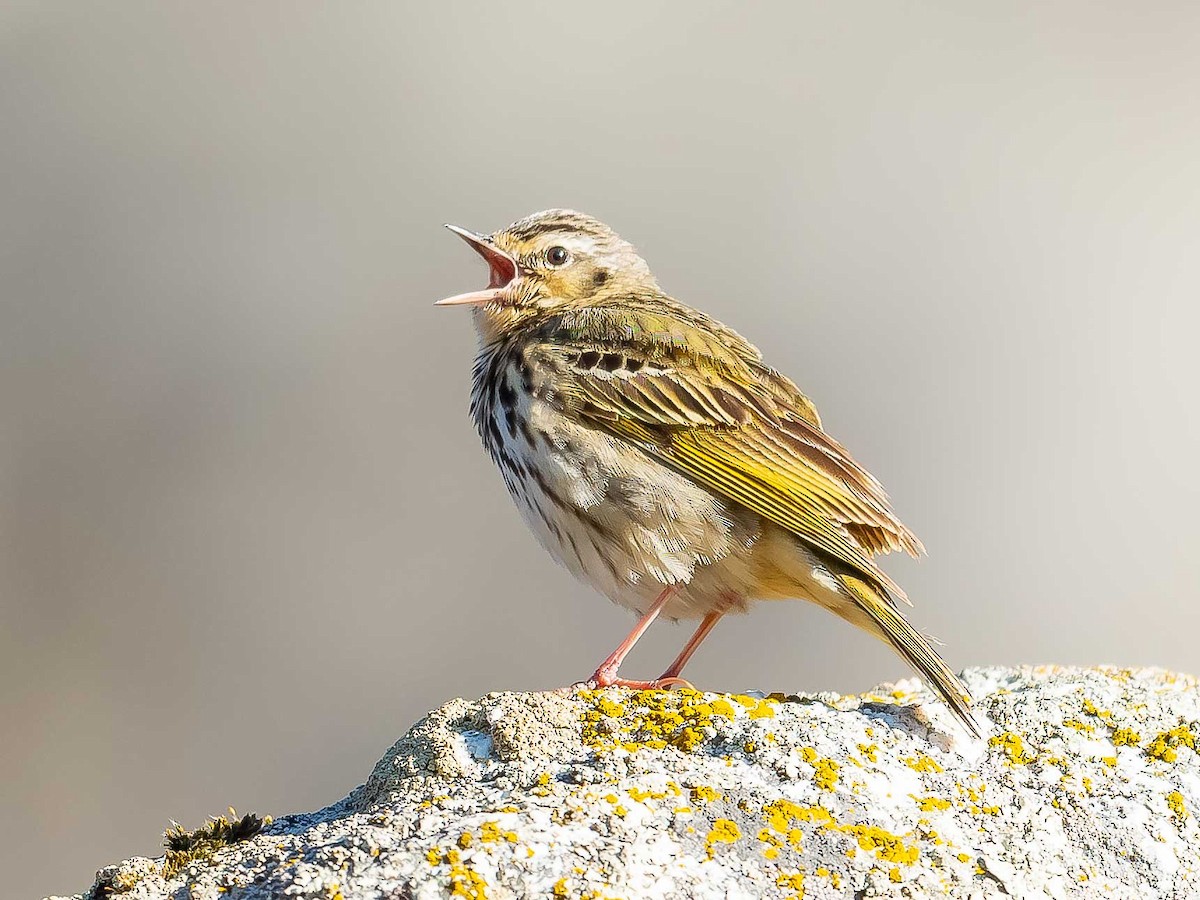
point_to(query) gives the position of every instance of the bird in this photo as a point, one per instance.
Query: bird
(657, 457)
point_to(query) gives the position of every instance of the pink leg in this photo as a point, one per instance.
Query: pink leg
(606, 674)
(685, 654)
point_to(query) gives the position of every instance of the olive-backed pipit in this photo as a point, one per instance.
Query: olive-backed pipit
(658, 458)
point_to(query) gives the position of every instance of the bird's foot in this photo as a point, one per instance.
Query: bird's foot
(603, 679)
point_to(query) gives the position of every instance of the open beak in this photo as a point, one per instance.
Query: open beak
(503, 270)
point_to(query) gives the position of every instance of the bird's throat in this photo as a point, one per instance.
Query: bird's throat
(496, 321)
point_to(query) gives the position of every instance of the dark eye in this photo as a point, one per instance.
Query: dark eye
(556, 256)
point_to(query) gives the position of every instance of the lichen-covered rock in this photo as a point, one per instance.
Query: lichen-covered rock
(1086, 786)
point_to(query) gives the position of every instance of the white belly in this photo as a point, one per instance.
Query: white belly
(621, 522)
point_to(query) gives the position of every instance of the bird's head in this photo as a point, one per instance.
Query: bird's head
(557, 259)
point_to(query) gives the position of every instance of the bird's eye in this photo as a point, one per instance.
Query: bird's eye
(557, 256)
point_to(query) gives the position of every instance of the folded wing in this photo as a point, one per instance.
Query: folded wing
(713, 412)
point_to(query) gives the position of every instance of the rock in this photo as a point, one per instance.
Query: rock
(1086, 786)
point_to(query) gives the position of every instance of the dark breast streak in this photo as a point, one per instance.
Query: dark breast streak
(504, 382)
(495, 402)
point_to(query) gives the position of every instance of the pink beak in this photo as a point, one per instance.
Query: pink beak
(503, 270)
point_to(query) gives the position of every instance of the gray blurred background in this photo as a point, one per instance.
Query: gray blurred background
(247, 534)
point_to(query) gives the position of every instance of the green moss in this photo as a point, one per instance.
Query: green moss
(200, 845)
(122, 882)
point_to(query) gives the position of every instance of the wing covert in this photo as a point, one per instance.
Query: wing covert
(732, 425)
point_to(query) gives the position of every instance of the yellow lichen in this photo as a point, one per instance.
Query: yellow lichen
(1163, 745)
(705, 793)
(609, 707)
(793, 881)
(922, 763)
(834, 877)
(722, 707)
(1013, 746)
(780, 814)
(757, 708)
(560, 888)
(1090, 709)
(641, 796)
(932, 804)
(490, 833)
(783, 815)
(466, 882)
(974, 794)
(826, 775)
(1175, 803)
(1079, 726)
(773, 842)
(1125, 737)
(869, 751)
(723, 831)
(651, 720)
(885, 845)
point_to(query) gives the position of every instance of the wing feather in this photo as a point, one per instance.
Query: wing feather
(712, 411)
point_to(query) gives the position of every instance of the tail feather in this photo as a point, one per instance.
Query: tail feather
(908, 642)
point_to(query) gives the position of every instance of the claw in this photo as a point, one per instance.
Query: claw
(599, 680)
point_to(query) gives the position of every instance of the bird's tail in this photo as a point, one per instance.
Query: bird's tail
(892, 627)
